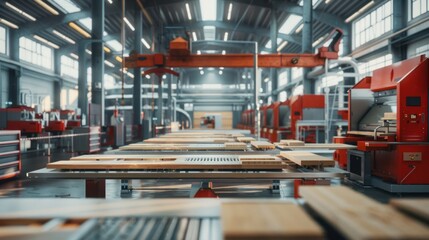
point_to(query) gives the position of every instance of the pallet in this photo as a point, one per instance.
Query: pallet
(267, 220)
(245, 139)
(307, 159)
(416, 207)
(325, 146)
(262, 145)
(359, 217)
(292, 142)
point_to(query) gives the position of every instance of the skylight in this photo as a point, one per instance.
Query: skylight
(66, 6)
(208, 10)
(209, 32)
(115, 45)
(87, 23)
(291, 22)
(268, 45)
(315, 3)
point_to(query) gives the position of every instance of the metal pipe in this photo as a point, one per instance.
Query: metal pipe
(186, 115)
(174, 108)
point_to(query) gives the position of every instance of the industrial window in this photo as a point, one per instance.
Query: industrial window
(296, 73)
(269, 100)
(299, 90)
(35, 53)
(423, 50)
(418, 7)
(374, 24)
(366, 68)
(109, 81)
(282, 96)
(283, 78)
(3, 40)
(69, 67)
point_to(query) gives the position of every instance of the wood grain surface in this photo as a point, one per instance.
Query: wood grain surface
(262, 145)
(189, 140)
(292, 142)
(418, 207)
(327, 146)
(359, 217)
(305, 159)
(245, 139)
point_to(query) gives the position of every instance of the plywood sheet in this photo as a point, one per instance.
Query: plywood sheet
(267, 220)
(105, 157)
(172, 147)
(305, 159)
(189, 140)
(262, 145)
(418, 207)
(292, 142)
(235, 146)
(359, 217)
(328, 146)
(245, 139)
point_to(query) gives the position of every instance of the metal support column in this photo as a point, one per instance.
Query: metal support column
(82, 82)
(273, 36)
(307, 41)
(256, 86)
(159, 113)
(137, 88)
(97, 60)
(14, 75)
(58, 84)
(170, 98)
(399, 51)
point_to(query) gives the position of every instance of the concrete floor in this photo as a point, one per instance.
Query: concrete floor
(22, 187)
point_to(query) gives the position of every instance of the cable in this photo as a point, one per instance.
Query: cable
(412, 170)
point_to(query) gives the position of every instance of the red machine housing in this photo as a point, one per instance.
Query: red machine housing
(73, 120)
(11, 119)
(56, 126)
(403, 156)
(263, 116)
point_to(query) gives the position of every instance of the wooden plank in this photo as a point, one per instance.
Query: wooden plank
(235, 146)
(359, 217)
(305, 159)
(267, 220)
(418, 207)
(105, 157)
(389, 116)
(327, 146)
(189, 140)
(262, 145)
(245, 139)
(173, 147)
(292, 142)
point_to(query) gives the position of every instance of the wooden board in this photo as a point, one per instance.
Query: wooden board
(105, 157)
(292, 142)
(173, 147)
(262, 145)
(306, 159)
(189, 140)
(418, 207)
(235, 146)
(359, 217)
(327, 146)
(245, 139)
(267, 220)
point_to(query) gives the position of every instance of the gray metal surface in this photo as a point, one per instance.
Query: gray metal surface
(284, 116)
(360, 102)
(399, 188)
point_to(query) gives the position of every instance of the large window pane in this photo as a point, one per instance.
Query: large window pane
(35, 53)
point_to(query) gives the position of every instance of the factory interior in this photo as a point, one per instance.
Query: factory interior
(214, 119)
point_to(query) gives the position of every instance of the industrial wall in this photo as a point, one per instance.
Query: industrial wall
(4, 85)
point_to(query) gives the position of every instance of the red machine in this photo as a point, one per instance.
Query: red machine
(247, 121)
(55, 124)
(263, 121)
(306, 108)
(72, 118)
(388, 122)
(20, 118)
(281, 116)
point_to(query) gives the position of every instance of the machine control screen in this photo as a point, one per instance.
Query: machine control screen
(413, 101)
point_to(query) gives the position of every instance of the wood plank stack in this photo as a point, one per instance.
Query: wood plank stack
(307, 159)
(416, 207)
(235, 146)
(267, 220)
(359, 217)
(189, 140)
(292, 142)
(262, 145)
(245, 139)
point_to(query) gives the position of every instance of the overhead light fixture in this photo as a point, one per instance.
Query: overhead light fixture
(9, 24)
(74, 56)
(106, 49)
(221, 68)
(88, 51)
(145, 43)
(319, 40)
(220, 72)
(79, 30)
(148, 76)
(363, 9)
(188, 11)
(299, 28)
(229, 12)
(47, 7)
(129, 24)
(223, 52)
(194, 36)
(200, 68)
(243, 76)
(119, 59)
(164, 76)
(20, 11)
(63, 36)
(201, 72)
(109, 63)
(266, 79)
(130, 75)
(327, 1)
(208, 10)
(46, 41)
(282, 46)
(110, 1)
(225, 36)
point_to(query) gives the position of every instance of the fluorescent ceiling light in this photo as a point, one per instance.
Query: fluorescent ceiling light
(208, 10)
(115, 45)
(299, 28)
(291, 22)
(46, 41)
(20, 11)
(282, 46)
(320, 40)
(106, 49)
(129, 24)
(327, 1)
(148, 76)
(201, 72)
(79, 30)
(363, 9)
(194, 36)
(110, 1)
(229, 12)
(109, 63)
(47, 7)
(221, 68)
(88, 51)
(66, 6)
(9, 24)
(220, 72)
(188, 11)
(209, 32)
(266, 79)
(118, 58)
(315, 3)
(130, 75)
(74, 56)
(63, 36)
(145, 43)
(268, 45)
(225, 36)
(200, 68)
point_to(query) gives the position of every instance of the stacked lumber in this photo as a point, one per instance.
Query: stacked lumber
(245, 139)
(359, 217)
(235, 146)
(189, 140)
(307, 159)
(292, 142)
(262, 145)
(184, 147)
(267, 220)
